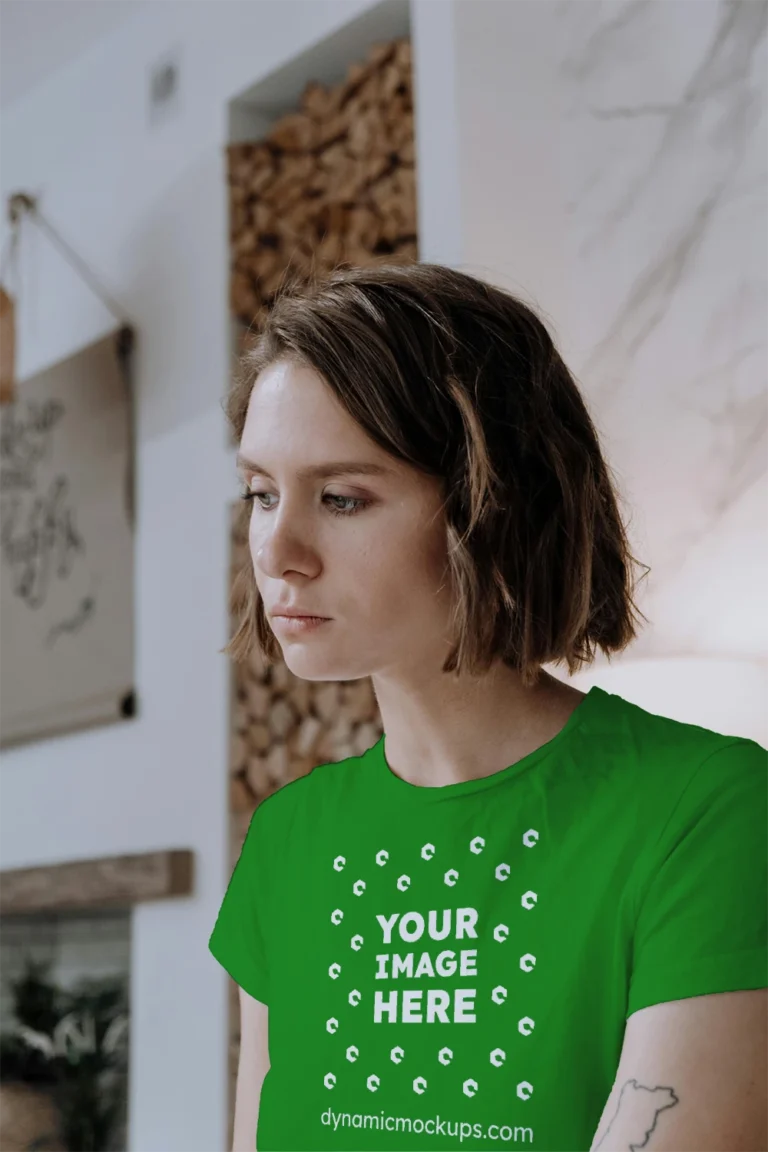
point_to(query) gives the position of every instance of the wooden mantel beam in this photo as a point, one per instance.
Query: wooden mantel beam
(105, 882)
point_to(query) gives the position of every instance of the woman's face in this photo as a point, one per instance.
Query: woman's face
(366, 550)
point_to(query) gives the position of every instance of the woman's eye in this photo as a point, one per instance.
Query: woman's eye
(356, 505)
(353, 503)
(251, 495)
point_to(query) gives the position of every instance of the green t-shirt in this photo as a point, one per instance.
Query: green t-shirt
(453, 967)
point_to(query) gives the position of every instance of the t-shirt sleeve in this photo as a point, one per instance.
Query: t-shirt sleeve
(239, 940)
(702, 925)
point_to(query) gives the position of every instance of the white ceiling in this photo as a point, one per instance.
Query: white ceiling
(37, 37)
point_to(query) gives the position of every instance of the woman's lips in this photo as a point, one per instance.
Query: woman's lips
(299, 624)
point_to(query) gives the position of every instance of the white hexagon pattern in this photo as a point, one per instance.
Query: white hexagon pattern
(526, 1025)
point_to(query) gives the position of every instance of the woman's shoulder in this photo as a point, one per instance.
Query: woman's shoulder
(656, 760)
(646, 734)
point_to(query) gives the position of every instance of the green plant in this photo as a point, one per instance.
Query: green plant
(75, 1043)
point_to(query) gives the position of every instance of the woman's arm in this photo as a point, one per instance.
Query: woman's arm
(252, 1067)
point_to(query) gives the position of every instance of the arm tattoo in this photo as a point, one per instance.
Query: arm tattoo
(645, 1105)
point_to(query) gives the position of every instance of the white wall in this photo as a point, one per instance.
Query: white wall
(613, 173)
(28, 59)
(147, 209)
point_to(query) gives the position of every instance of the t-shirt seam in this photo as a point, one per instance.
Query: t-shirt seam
(647, 856)
(568, 733)
(689, 782)
(264, 920)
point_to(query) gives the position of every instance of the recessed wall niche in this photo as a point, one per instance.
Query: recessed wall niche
(321, 170)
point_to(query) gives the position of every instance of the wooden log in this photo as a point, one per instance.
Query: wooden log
(241, 797)
(277, 763)
(259, 738)
(111, 881)
(403, 55)
(282, 677)
(302, 695)
(260, 179)
(294, 133)
(256, 774)
(365, 737)
(238, 752)
(360, 700)
(382, 53)
(332, 129)
(405, 253)
(282, 719)
(259, 697)
(315, 100)
(362, 136)
(327, 700)
(330, 250)
(308, 732)
(320, 102)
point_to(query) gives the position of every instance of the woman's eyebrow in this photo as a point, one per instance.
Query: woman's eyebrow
(320, 471)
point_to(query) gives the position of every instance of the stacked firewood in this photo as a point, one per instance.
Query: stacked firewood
(332, 183)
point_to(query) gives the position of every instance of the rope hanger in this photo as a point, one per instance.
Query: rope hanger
(21, 204)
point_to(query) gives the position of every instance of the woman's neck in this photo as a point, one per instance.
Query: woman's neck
(454, 729)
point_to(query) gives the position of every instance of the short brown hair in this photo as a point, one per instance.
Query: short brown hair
(461, 380)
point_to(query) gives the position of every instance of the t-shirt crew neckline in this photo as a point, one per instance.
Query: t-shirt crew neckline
(395, 787)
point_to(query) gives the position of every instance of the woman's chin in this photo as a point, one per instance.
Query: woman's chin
(314, 665)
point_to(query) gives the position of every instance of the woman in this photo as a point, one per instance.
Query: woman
(447, 935)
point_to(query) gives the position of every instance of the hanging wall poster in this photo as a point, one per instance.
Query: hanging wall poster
(7, 346)
(66, 545)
